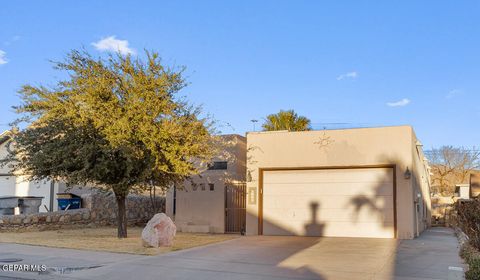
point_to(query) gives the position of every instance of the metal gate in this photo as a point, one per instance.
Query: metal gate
(235, 210)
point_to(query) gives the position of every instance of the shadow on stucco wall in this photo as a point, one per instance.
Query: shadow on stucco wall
(375, 204)
(407, 205)
(314, 228)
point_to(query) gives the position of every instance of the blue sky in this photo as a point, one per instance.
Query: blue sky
(354, 62)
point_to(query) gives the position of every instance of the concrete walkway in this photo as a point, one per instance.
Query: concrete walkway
(429, 256)
(264, 257)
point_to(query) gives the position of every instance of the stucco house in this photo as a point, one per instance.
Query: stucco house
(16, 184)
(213, 201)
(365, 182)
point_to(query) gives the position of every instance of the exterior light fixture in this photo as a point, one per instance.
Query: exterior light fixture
(407, 174)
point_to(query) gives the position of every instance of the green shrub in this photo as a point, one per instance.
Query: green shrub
(472, 258)
(473, 272)
(468, 219)
(466, 252)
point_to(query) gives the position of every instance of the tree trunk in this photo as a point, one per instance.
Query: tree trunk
(121, 216)
(152, 199)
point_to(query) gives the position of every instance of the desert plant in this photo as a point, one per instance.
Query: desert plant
(468, 219)
(473, 272)
(471, 256)
(286, 120)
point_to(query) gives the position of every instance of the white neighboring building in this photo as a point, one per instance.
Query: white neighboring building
(17, 185)
(462, 191)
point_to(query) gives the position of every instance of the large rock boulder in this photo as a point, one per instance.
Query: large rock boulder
(159, 231)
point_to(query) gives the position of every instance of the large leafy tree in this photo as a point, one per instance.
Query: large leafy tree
(116, 123)
(286, 120)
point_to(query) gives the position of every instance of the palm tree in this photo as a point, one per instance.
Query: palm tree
(286, 120)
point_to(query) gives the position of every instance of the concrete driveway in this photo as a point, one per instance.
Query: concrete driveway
(270, 257)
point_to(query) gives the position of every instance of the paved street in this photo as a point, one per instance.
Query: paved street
(261, 257)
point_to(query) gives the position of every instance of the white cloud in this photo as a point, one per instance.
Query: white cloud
(453, 93)
(3, 58)
(12, 40)
(400, 103)
(114, 45)
(349, 75)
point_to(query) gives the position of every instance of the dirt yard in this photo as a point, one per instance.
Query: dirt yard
(104, 239)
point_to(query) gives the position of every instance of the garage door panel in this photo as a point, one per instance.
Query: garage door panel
(361, 230)
(332, 215)
(331, 201)
(331, 229)
(354, 216)
(330, 176)
(340, 202)
(330, 188)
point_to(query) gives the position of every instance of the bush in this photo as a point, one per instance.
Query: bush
(468, 219)
(472, 258)
(467, 252)
(473, 272)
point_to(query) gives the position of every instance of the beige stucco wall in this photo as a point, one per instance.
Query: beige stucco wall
(340, 148)
(421, 182)
(204, 210)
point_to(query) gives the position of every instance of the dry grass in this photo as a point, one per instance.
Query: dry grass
(104, 239)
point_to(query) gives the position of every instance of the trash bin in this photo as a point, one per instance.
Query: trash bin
(8, 204)
(68, 201)
(29, 204)
(26, 204)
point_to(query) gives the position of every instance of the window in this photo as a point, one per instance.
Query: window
(457, 191)
(202, 185)
(211, 186)
(218, 165)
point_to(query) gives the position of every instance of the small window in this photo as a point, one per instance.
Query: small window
(457, 191)
(211, 186)
(202, 185)
(218, 165)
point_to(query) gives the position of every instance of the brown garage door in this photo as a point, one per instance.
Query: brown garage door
(329, 202)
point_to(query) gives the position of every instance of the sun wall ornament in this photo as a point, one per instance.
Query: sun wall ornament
(324, 141)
